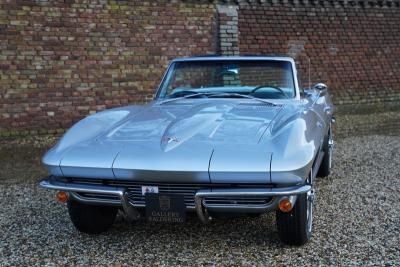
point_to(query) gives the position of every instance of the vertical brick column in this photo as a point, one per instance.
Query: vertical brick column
(228, 30)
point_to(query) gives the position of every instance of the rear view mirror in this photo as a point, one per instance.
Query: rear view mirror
(321, 88)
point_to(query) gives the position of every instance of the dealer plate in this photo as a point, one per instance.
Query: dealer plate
(149, 189)
(169, 208)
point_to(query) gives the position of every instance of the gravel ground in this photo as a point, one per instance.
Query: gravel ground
(357, 220)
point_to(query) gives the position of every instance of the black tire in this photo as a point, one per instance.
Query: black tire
(91, 219)
(293, 228)
(325, 167)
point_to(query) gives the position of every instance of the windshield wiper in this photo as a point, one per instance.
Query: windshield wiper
(243, 96)
(185, 96)
(208, 94)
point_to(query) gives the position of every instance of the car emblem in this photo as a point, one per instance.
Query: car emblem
(165, 202)
(170, 139)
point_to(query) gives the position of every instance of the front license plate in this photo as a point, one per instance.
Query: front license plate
(168, 208)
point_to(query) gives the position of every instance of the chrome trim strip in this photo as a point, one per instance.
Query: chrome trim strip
(83, 188)
(129, 209)
(241, 207)
(94, 200)
(202, 212)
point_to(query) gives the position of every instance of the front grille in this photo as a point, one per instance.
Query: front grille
(99, 196)
(227, 201)
(188, 192)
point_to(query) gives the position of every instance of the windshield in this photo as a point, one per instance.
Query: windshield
(269, 79)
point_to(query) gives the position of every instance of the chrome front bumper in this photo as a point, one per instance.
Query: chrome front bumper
(210, 200)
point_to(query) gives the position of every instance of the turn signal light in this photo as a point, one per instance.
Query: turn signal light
(285, 205)
(62, 196)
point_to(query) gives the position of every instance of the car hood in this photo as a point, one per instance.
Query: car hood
(180, 141)
(175, 124)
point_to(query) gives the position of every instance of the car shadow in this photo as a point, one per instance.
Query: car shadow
(230, 231)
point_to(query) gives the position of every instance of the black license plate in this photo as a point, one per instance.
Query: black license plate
(167, 208)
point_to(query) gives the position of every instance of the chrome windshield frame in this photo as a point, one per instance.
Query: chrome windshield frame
(158, 95)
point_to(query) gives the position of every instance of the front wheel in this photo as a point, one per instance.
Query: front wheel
(295, 226)
(91, 219)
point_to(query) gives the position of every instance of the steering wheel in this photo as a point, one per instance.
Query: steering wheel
(270, 86)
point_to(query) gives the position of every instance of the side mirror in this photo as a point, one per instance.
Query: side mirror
(321, 88)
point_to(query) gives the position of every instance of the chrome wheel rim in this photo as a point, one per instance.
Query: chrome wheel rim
(310, 205)
(330, 146)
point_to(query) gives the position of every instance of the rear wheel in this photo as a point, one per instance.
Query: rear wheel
(295, 227)
(91, 219)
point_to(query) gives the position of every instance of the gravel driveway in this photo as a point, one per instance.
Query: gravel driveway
(357, 220)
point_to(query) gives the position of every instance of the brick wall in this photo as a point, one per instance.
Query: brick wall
(354, 46)
(61, 60)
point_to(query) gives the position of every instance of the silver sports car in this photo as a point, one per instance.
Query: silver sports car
(223, 136)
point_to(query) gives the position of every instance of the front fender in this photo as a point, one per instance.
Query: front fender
(294, 149)
(86, 129)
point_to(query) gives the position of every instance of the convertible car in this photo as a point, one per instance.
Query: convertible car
(223, 135)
